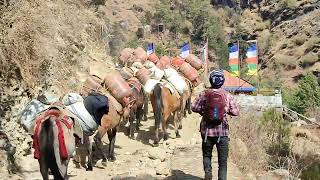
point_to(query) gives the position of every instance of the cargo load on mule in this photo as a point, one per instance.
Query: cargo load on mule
(194, 61)
(153, 58)
(150, 84)
(137, 65)
(172, 76)
(75, 104)
(118, 87)
(177, 62)
(126, 56)
(190, 73)
(143, 75)
(92, 84)
(35, 108)
(156, 72)
(31, 111)
(164, 62)
(126, 73)
(140, 55)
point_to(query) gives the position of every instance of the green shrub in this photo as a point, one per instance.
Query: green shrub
(277, 132)
(311, 172)
(307, 95)
(161, 50)
(133, 43)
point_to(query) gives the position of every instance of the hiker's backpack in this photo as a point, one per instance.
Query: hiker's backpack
(214, 109)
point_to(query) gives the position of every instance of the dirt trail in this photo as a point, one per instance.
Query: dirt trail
(134, 160)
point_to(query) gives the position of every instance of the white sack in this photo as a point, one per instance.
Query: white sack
(150, 84)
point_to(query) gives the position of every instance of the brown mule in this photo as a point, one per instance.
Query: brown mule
(109, 124)
(137, 111)
(165, 104)
(54, 142)
(185, 102)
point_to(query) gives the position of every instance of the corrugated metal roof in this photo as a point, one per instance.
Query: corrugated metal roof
(236, 84)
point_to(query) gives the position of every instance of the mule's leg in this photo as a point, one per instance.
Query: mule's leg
(164, 128)
(66, 177)
(131, 127)
(43, 168)
(184, 107)
(97, 139)
(140, 112)
(189, 105)
(112, 138)
(176, 119)
(145, 108)
(88, 142)
(76, 158)
(179, 121)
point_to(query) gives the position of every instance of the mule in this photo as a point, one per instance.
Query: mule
(54, 142)
(138, 108)
(165, 104)
(185, 102)
(109, 125)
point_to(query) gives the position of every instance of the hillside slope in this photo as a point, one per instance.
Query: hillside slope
(288, 38)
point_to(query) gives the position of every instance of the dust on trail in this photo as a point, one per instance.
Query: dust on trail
(183, 157)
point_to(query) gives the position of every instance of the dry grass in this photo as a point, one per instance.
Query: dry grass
(300, 39)
(288, 62)
(246, 129)
(308, 60)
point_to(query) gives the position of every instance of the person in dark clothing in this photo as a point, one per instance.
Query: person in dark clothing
(215, 134)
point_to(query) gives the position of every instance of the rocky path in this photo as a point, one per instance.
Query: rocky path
(187, 165)
(137, 159)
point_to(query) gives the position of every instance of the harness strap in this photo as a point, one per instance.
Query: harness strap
(62, 145)
(40, 120)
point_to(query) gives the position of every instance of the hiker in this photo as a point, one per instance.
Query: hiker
(213, 105)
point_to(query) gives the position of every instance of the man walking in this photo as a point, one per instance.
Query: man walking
(214, 104)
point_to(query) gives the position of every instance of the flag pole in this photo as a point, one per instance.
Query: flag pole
(206, 59)
(239, 64)
(257, 65)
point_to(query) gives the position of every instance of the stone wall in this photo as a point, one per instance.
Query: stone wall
(259, 101)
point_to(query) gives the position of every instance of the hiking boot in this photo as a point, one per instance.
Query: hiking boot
(208, 176)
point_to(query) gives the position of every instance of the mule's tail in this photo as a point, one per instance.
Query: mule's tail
(47, 149)
(157, 91)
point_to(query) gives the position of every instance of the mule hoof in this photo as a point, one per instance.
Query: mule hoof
(180, 127)
(156, 145)
(112, 158)
(78, 166)
(165, 137)
(132, 137)
(89, 168)
(127, 131)
(104, 162)
(178, 136)
(190, 112)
